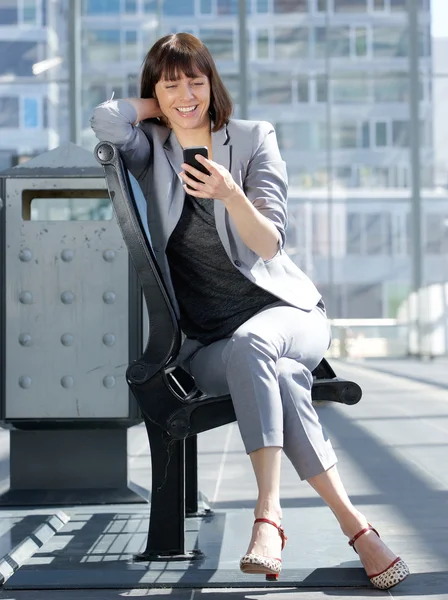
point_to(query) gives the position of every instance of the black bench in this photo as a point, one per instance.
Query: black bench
(173, 409)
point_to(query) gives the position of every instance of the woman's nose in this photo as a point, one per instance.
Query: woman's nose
(186, 92)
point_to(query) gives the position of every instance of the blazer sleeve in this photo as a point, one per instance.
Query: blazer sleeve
(266, 182)
(113, 121)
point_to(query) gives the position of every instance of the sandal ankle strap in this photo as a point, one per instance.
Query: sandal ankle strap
(359, 534)
(278, 527)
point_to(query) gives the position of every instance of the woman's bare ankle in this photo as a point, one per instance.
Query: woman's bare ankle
(268, 510)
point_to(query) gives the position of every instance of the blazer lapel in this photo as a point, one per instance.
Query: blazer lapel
(222, 154)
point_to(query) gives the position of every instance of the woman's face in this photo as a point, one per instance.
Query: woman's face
(185, 102)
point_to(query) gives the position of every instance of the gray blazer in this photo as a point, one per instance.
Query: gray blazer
(249, 150)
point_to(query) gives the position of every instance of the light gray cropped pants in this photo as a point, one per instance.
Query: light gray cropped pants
(266, 367)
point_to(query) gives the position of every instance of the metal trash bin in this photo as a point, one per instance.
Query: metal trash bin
(70, 323)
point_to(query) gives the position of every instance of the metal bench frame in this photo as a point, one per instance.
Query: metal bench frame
(173, 409)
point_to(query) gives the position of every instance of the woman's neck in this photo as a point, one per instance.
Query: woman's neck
(194, 137)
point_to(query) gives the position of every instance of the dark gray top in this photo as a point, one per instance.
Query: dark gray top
(213, 296)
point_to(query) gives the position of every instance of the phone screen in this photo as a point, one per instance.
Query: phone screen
(189, 159)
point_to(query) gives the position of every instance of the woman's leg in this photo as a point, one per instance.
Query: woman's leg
(373, 552)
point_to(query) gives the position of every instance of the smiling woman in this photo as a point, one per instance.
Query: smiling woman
(255, 324)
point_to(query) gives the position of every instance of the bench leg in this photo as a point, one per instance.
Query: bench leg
(166, 537)
(191, 474)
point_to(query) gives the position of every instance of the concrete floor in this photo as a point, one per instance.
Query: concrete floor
(393, 456)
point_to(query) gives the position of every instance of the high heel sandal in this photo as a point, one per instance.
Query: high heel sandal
(392, 575)
(264, 565)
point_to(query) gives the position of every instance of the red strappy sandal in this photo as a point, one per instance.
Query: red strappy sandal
(265, 565)
(392, 575)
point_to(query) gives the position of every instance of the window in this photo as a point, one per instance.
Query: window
(232, 83)
(380, 134)
(356, 6)
(436, 234)
(360, 41)
(379, 5)
(390, 42)
(335, 41)
(130, 50)
(291, 42)
(351, 89)
(294, 136)
(18, 58)
(175, 8)
(205, 7)
(130, 7)
(322, 5)
(101, 7)
(398, 5)
(9, 112)
(29, 12)
(400, 134)
(374, 234)
(103, 46)
(262, 6)
(321, 88)
(303, 89)
(274, 88)
(8, 12)
(219, 42)
(290, 6)
(30, 113)
(262, 43)
(365, 134)
(227, 7)
(353, 233)
(344, 135)
(391, 87)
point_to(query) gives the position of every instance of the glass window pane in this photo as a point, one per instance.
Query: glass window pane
(374, 233)
(8, 12)
(398, 5)
(390, 42)
(321, 88)
(360, 34)
(205, 7)
(391, 87)
(29, 15)
(291, 42)
(274, 88)
(100, 7)
(17, 58)
(400, 133)
(219, 42)
(227, 7)
(353, 233)
(9, 112)
(103, 45)
(337, 39)
(349, 89)
(365, 135)
(322, 5)
(130, 50)
(130, 6)
(294, 136)
(381, 134)
(176, 8)
(30, 113)
(262, 6)
(350, 6)
(344, 135)
(303, 89)
(290, 6)
(232, 83)
(379, 4)
(262, 46)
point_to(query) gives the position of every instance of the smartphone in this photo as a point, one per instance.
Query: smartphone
(189, 159)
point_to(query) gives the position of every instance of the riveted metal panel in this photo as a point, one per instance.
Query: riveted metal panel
(67, 312)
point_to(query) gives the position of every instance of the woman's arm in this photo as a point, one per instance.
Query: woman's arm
(114, 121)
(258, 212)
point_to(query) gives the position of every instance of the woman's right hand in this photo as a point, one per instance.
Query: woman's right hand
(146, 108)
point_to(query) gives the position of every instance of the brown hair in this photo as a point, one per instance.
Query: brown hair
(179, 53)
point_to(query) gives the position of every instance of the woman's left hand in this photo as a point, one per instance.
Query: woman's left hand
(219, 185)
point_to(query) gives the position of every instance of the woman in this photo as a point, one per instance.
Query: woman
(255, 325)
